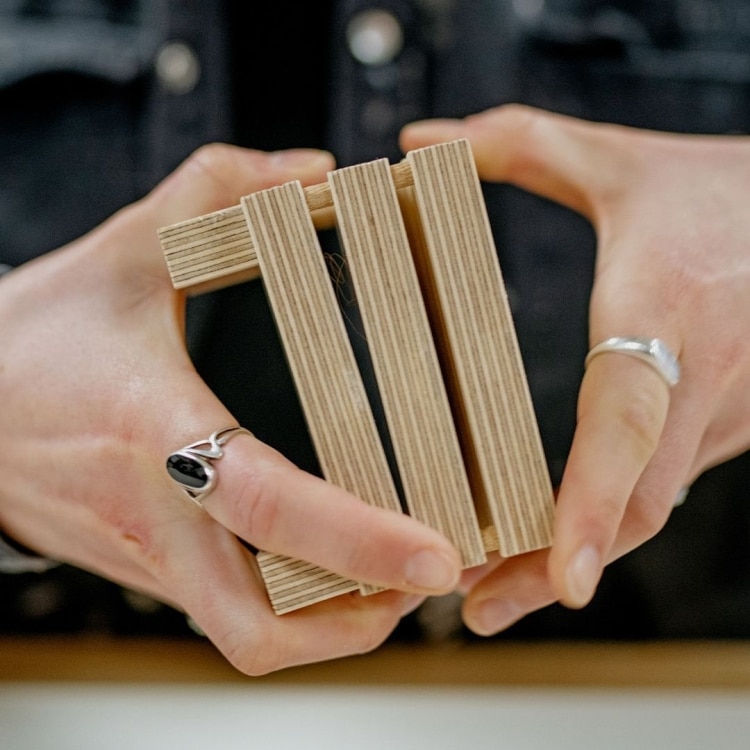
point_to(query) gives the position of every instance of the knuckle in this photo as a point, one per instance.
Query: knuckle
(257, 663)
(360, 555)
(647, 516)
(256, 656)
(374, 638)
(211, 158)
(365, 639)
(255, 507)
(260, 649)
(527, 129)
(212, 163)
(518, 117)
(642, 414)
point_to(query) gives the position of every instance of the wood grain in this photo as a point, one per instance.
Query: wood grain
(377, 253)
(217, 250)
(320, 356)
(481, 357)
(418, 246)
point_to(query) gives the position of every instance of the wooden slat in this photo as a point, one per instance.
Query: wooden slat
(211, 250)
(425, 443)
(322, 362)
(216, 250)
(459, 275)
(489, 391)
(292, 584)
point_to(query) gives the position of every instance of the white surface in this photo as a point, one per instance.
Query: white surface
(103, 717)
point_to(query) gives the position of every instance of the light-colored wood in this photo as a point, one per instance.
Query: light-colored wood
(481, 358)
(292, 584)
(718, 665)
(378, 256)
(492, 478)
(216, 250)
(209, 251)
(332, 395)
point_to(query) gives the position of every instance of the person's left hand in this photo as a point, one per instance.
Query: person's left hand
(673, 262)
(97, 389)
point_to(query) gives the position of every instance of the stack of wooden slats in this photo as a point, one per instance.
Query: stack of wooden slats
(418, 248)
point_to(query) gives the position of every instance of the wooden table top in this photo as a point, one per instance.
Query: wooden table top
(673, 664)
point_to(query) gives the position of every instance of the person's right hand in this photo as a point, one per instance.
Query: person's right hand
(97, 389)
(672, 263)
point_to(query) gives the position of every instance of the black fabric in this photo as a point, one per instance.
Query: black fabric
(86, 127)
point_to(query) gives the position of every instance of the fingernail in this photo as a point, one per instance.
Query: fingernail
(444, 124)
(432, 570)
(582, 576)
(302, 158)
(494, 615)
(681, 497)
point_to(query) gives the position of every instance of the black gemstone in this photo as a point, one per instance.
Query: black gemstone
(187, 470)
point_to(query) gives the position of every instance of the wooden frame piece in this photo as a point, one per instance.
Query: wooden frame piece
(325, 371)
(377, 252)
(484, 370)
(419, 249)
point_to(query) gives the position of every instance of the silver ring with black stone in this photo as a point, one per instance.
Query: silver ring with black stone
(192, 467)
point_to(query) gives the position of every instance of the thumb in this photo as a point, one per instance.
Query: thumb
(214, 177)
(569, 161)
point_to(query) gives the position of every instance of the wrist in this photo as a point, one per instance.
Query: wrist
(14, 558)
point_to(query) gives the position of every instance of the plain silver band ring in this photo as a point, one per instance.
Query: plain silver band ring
(192, 467)
(652, 351)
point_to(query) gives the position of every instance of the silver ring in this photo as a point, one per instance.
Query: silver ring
(652, 351)
(191, 467)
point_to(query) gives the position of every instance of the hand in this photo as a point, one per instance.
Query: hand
(97, 389)
(673, 262)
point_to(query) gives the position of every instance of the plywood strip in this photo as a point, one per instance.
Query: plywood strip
(457, 265)
(211, 249)
(488, 384)
(322, 362)
(216, 250)
(425, 442)
(293, 584)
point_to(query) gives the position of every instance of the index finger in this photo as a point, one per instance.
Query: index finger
(267, 501)
(623, 406)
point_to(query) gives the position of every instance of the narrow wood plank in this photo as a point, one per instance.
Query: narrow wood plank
(489, 390)
(332, 395)
(292, 584)
(377, 253)
(211, 250)
(219, 249)
(216, 250)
